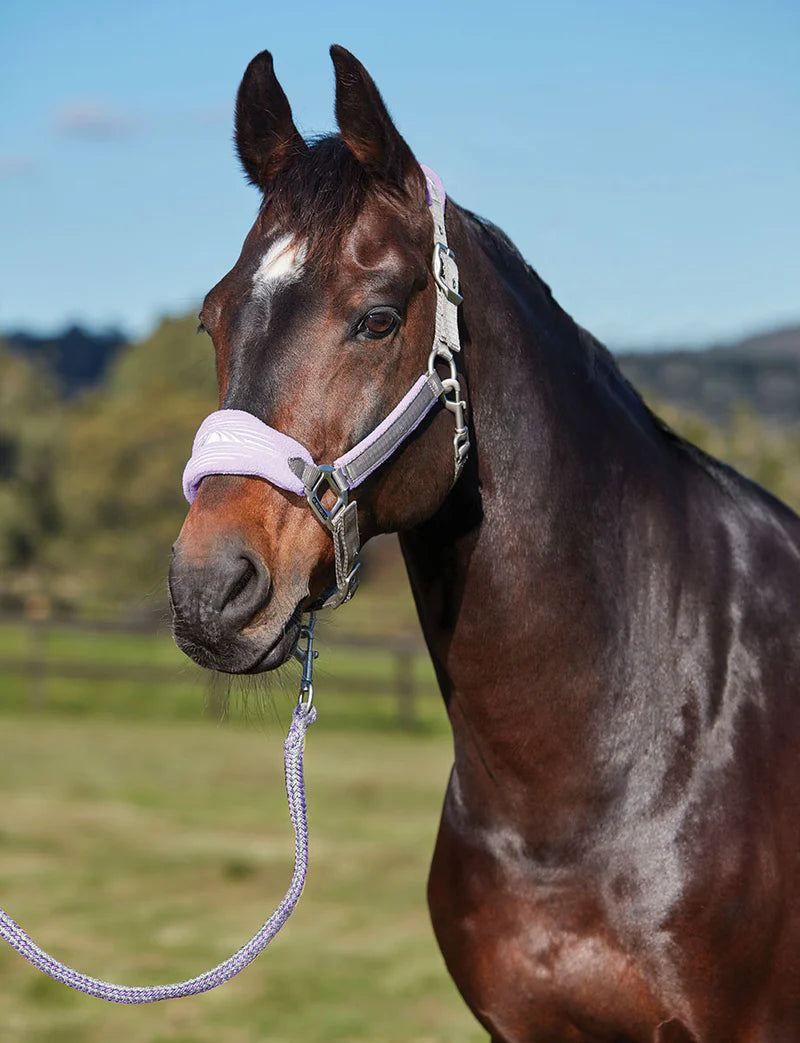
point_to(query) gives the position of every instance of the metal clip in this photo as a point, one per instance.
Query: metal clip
(461, 448)
(456, 405)
(443, 257)
(306, 656)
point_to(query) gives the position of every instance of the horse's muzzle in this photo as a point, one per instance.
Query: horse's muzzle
(216, 602)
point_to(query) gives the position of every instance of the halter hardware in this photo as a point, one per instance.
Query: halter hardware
(329, 480)
(305, 657)
(444, 258)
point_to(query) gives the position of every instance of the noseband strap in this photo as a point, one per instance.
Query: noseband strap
(233, 441)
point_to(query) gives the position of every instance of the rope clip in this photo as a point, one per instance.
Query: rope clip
(305, 655)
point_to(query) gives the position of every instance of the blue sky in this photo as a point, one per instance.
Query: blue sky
(644, 156)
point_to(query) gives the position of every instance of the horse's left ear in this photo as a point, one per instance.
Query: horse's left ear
(367, 128)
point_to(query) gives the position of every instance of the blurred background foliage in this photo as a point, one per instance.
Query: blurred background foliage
(90, 498)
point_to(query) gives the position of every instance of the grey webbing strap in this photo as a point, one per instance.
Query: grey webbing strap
(342, 521)
(446, 338)
(362, 463)
(307, 473)
(365, 462)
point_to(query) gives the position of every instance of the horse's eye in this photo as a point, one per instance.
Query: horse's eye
(379, 323)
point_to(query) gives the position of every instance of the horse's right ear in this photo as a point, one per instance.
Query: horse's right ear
(266, 137)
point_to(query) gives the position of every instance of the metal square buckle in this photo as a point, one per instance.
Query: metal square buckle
(442, 256)
(328, 478)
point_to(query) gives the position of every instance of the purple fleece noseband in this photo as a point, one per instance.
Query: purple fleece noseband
(232, 441)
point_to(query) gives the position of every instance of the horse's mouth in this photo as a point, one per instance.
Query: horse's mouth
(246, 653)
(280, 650)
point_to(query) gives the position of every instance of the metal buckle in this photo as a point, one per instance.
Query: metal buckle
(441, 255)
(328, 478)
(351, 582)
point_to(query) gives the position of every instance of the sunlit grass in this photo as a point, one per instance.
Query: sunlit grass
(148, 852)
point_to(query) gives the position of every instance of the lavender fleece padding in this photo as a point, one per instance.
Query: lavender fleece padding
(232, 441)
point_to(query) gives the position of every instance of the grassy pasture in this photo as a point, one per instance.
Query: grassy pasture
(142, 840)
(149, 850)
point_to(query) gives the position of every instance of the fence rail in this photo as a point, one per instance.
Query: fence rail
(37, 663)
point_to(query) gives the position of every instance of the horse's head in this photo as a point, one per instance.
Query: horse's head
(320, 329)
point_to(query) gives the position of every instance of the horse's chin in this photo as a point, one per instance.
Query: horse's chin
(253, 651)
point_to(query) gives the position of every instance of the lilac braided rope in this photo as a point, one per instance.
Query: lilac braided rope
(11, 932)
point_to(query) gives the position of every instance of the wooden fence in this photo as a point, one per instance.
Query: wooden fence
(37, 663)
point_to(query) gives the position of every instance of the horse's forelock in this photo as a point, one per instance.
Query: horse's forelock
(319, 196)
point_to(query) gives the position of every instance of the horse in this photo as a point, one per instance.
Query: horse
(611, 613)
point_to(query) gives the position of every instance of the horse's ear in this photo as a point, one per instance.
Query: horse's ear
(266, 136)
(366, 126)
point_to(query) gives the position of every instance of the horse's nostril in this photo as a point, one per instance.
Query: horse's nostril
(215, 597)
(247, 591)
(240, 585)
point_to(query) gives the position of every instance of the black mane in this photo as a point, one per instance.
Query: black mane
(600, 362)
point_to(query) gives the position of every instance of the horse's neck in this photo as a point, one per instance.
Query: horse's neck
(515, 576)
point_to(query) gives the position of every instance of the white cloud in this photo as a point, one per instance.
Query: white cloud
(95, 121)
(15, 166)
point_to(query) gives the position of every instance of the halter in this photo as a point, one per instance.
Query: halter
(233, 441)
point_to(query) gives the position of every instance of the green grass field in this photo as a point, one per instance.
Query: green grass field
(146, 851)
(141, 840)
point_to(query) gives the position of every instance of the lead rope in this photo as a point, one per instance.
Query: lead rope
(303, 717)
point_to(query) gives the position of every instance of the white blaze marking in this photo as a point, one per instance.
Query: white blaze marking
(280, 264)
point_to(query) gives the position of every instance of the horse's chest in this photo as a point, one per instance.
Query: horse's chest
(535, 961)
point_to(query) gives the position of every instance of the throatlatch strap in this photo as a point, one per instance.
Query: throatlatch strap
(448, 299)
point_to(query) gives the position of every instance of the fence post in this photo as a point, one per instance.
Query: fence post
(404, 686)
(37, 613)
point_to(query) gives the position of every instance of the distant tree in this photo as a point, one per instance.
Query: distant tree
(119, 484)
(30, 427)
(767, 453)
(75, 359)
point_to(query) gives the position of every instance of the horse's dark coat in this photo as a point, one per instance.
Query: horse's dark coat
(612, 615)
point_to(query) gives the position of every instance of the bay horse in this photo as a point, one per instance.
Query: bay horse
(612, 614)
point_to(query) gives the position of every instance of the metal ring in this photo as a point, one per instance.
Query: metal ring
(306, 697)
